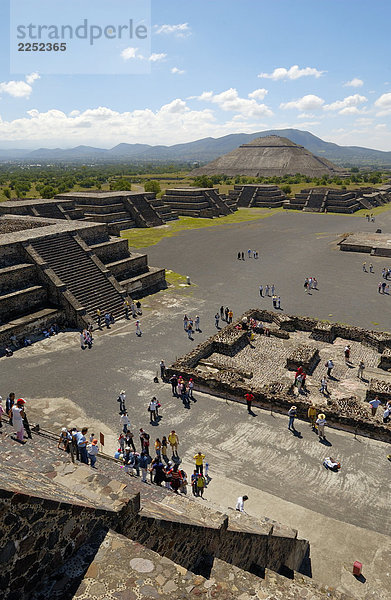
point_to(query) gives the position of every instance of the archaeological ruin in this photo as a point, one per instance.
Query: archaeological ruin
(257, 195)
(338, 200)
(198, 202)
(269, 157)
(375, 244)
(262, 350)
(62, 270)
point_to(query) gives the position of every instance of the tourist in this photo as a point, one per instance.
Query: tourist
(152, 408)
(306, 285)
(240, 503)
(292, 412)
(82, 445)
(242, 255)
(124, 422)
(226, 313)
(330, 367)
(312, 415)
(174, 384)
(298, 372)
(371, 268)
(107, 319)
(173, 441)
(99, 318)
(197, 323)
(126, 309)
(274, 301)
(144, 441)
(133, 309)
(375, 403)
(386, 413)
(144, 461)
(321, 422)
(82, 341)
(190, 388)
(361, 368)
(314, 283)
(379, 288)
(249, 253)
(255, 254)
(92, 451)
(323, 386)
(239, 255)
(200, 485)
(159, 472)
(217, 317)
(185, 322)
(261, 290)
(249, 399)
(175, 478)
(162, 370)
(121, 399)
(383, 287)
(164, 450)
(158, 447)
(279, 303)
(222, 313)
(190, 332)
(266, 290)
(8, 406)
(26, 424)
(64, 439)
(17, 418)
(134, 462)
(230, 315)
(364, 267)
(194, 476)
(199, 461)
(1, 412)
(129, 440)
(138, 329)
(347, 354)
(138, 306)
(183, 486)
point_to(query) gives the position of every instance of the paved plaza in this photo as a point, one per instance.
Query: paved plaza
(282, 473)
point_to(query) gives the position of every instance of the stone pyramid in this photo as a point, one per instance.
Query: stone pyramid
(269, 156)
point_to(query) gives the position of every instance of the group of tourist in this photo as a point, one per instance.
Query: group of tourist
(225, 314)
(133, 307)
(78, 445)
(181, 388)
(189, 326)
(250, 253)
(23, 342)
(310, 283)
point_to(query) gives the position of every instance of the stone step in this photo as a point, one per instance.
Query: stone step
(18, 302)
(131, 265)
(31, 323)
(107, 217)
(11, 277)
(154, 278)
(89, 209)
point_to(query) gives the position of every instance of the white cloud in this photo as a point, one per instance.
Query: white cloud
(347, 103)
(355, 82)
(308, 102)
(364, 121)
(177, 71)
(258, 94)
(155, 57)
(293, 72)
(229, 100)
(384, 104)
(19, 89)
(180, 30)
(132, 53)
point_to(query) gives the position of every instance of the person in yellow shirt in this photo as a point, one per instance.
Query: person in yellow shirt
(173, 441)
(312, 416)
(199, 461)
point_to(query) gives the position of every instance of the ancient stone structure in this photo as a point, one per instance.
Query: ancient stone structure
(61, 271)
(337, 200)
(269, 157)
(261, 195)
(56, 516)
(197, 202)
(230, 363)
(120, 210)
(375, 244)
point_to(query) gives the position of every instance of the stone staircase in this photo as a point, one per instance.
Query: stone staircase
(142, 212)
(82, 273)
(217, 203)
(315, 201)
(106, 210)
(246, 196)
(25, 309)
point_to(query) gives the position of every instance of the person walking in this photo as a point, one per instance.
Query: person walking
(190, 332)
(92, 451)
(126, 309)
(185, 322)
(158, 448)
(230, 315)
(312, 415)
(99, 318)
(266, 290)
(162, 370)
(174, 385)
(278, 302)
(242, 255)
(375, 403)
(371, 268)
(124, 422)
(190, 388)
(330, 367)
(173, 441)
(249, 399)
(197, 323)
(226, 312)
(347, 354)
(292, 412)
(200, 485)
(144, 461)
(217, 318)
(164, 450)
(239, 255)
(361, 367)
(274, 297)
(194, 483)
(364, 267)
(199, 461)
(121, 399)
(323, 386)
(222, 313)
(249, 253)
(138, 329)
(321, 422)
(261, 291)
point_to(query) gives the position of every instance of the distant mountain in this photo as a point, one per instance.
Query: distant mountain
(202, 151)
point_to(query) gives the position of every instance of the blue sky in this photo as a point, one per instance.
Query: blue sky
(215, 67)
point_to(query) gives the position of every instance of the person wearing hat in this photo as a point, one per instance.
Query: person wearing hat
(292, 412)
(174, 441)
(64, 439)
(92, 451)
(312, 415)
(321, 422)
(17, 418)
(190, 387)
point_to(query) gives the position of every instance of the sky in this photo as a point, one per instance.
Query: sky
(208, 68)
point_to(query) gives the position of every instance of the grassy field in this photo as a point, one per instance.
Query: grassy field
(141, 238)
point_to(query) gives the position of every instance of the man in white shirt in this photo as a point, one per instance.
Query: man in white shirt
(240, 503)
(124, 422)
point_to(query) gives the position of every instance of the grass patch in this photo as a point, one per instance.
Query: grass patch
(175, 279)
(141, 238)
(373, 211)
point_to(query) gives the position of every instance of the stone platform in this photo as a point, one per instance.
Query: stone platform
(375, 244)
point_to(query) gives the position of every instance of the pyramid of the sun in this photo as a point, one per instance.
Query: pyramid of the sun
(269, 156)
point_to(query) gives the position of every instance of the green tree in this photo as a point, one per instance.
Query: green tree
(7, 193)
(286, 189)
(48, 191)
(152, 186)
(120, 184)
